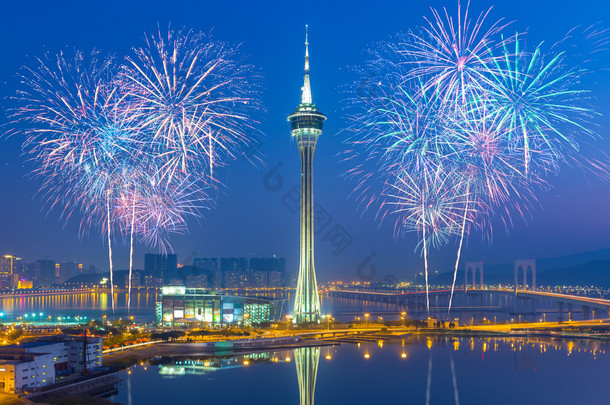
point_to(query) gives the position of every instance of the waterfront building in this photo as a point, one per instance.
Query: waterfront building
(267, 272)
(23, 284)
(20, 370)
(67, 352)
(14, 280)
(180, 305)
(9, 264)
(67, 270)
(10, 268)
(306, 126)
(37, 364)
(44, 273)
(208, 267)
(234, 272)
(135, 280)
(198, 279)
(159, 266)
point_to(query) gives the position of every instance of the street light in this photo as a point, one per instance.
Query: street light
(327, 321)
(404, 315)
(366, 320)
(288, 317)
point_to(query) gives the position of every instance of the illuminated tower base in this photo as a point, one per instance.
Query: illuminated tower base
(306, 123)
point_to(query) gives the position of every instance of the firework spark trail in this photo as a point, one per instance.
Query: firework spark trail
(65, 106)
(132, 228)
(459, 251)
(110, 255)
(461, 94)
(494, 175)
(133, 148)
(428, 204)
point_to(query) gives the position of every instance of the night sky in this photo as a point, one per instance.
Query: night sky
(251, 214)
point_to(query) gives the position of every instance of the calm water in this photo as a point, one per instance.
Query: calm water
(90, 305)
(466, 371)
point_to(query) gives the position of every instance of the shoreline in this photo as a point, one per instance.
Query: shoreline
(129, 357)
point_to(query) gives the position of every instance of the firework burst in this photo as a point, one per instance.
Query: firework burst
(132, 148)
(460, 97)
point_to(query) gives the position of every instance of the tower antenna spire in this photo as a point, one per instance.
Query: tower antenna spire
(306, 89)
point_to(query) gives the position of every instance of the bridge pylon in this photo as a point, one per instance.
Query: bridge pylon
(525, 265)
(473, 267)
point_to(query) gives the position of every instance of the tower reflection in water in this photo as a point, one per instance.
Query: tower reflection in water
(306, 360)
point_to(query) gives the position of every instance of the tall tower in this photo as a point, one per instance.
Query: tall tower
(306, 123)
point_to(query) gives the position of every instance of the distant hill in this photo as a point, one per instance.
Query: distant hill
(580, 269)
(553, 263)
(595, 273)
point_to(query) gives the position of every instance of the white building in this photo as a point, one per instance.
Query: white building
(20, 371)
(66, 352)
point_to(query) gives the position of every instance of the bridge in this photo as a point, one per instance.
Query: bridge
(520, 301)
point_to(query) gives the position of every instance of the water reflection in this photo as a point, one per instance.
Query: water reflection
(456, 396)
(432, 369)
(93, 304)
(306, 360)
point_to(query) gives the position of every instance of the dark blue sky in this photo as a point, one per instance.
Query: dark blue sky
(250, 218)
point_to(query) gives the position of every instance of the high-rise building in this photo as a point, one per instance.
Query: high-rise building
(10, 268)
(234, 272)
(44, 273)
(9, 264)
(160, 266)
(306, 123)
(267, 272)
(67, 270)
(208, 267)
(135, 280)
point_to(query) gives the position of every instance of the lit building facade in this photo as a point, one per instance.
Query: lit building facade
(306, 123)
(67, 270)
(208, 268)
(10, 269)
(267, 272)
(21, 371)
(67, 352)
(44, 273)
(32, 365)
(234, 272)
(182, 305)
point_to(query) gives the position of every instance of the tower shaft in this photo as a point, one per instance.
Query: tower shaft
(307, 302)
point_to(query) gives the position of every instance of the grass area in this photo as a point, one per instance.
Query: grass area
(122, 362)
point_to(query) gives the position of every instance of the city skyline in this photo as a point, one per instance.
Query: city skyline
(232, 223)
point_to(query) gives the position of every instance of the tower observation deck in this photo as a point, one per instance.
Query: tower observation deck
(306, 123)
